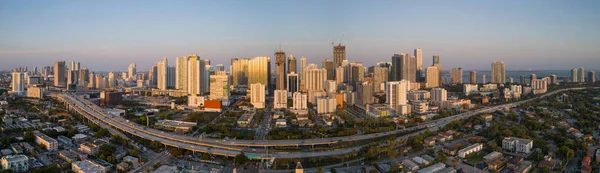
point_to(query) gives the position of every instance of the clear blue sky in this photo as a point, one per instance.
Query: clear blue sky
(107, 35)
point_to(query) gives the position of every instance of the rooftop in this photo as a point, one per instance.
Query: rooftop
(89, 166)
(175, 123)
(15, 158)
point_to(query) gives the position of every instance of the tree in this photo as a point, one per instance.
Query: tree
(332, 170)
(440, 157)
(175, 152)
(320, 170)
(29, 136)
(241, 159)
(134, 152)
(111, 159)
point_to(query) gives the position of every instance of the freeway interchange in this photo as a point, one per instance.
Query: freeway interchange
(233, 147)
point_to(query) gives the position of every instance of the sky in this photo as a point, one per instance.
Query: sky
(108, 35)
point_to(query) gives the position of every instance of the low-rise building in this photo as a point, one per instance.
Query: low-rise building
(523, 167)
(379, 110)
(429, 141)
(492, 156)
(410, 165)
(68, 156)
(87, 166)
(281, 123)
(49, 143)
(470, 149)
(518, 145)
(176, 126)
(433, 168)
(246, 119)
(17, 163)
(89, 148)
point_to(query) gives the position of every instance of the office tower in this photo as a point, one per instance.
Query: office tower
(132, 71)
(152, 75)
(205, 77)
(112, 80)
(196, 72)
(396, 93)
(364, 93)
(522, 80)
(239, 71)
(339, 75)
(74, 66)
(280, 99)
(411, 71)
(581, 75)
(171, 77)
(18, 82)
(84, 76)
(302, 67)
(483, 79)
(60, 78)
(357, 73)
(436, 63)
(162, 67)
(402, 67)
(314, 77)
(432, 78)
(299, 101)
(498, 72)
(72, 76)
(219, 87)
(292, 65)
(330, 67)
(591, 77)
(473, 77)
(280, 70)
(259, 70)
(181, 72)
(438, 96)
(419, 63)
(553, 79)
(92, 83)
(456, 76)
(574, 75)
(257, 95)
(293, 84)
(380, 77)
(339, 54)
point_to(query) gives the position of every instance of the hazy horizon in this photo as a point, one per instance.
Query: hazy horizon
(108, 35)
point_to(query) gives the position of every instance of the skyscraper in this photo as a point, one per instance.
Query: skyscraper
(314, 77)
(498, 72)
(436, 63)
(18, 82)
(339, 54)
(258, 70)
(171, 77)
(72, 76)
(152, 75)
(302, 67)
(292, 65)
(132, 71)
(293, 84)
(357, 73)
(419, 63)
(162, 67)
(380, 76)
(456, 76)
(239, 71)
(553, 79)
(591, 77)
(280, 70)
(112, 80)
(438, 96)
(396, 67)
(92, 83)
(396, 93)
(84, 76)
(219, 87)
(574, 75)
(581, 75)
(364, 93)
(60, 78)
(432, 78)
(330, 67)
(219, 67)
(73, 65)
(181, 72)
(196, 69)
(483, 79)
(473, 77)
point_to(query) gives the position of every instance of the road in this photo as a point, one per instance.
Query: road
(234, 147)
(162, 157)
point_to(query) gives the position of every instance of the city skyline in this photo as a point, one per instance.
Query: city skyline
(467, 34)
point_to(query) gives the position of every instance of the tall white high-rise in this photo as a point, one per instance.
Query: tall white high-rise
(181, 72)
(196, 69)
(581, 75)
(299, 101)
(302, 67)
(419, 58)
(132, 71)
(574, 75)
(396, 93)
(162, 67)
(18, 82)
(432, 78)
(314, 77)
(280, 99)
(438, 96)
(92, 83)
(73, 65)
(498, 72)
(219, 87)
(257, 95)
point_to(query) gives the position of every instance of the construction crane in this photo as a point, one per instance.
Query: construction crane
(342, 39)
